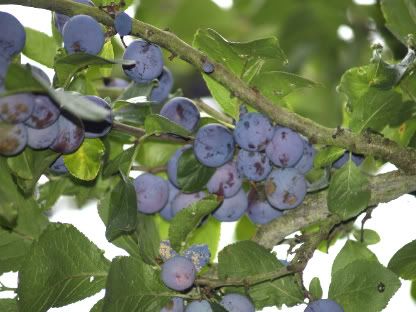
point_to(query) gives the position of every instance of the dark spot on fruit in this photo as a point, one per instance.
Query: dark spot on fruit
(179, 111)
(289, 198)
(270, 187)
(284, 159)
(246, 124)
(259, 168)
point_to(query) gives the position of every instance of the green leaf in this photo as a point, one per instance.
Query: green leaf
(131, 113)
(246, 258)
(85, 163)
(8, 305)
(315, 288)
(40, 47)
(134, 286)
(349, 191)
(156, 124)
(413, 290)
(98, 307)
(67, 66)
(121, 163)
(15, 244)
(192, 175)
(372, 102)
(403, 263)
(240, 57)
(245, 229)
(62, 267)
(123, 210)
(148, 238)
(275, 85)
(136, 92)
(19, 79)
(352, 251)
(400, 17)
(50, 192)
(30, 165)
(187, 220)
(154, 153)
(371, 237)
(327, 155)
(127, 241)
(363, 286)
(376, 109)
(10, 197)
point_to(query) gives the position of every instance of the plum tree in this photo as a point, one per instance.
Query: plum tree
(17, 107)
(226, 181)
(181, 111)
(152, 193)
(285, 148)
(255, 166)
(148, 61)
(237, 303)
(252, 138)
(45, 113)
(123, 24)
(323, 305)
(165, 84)
(198, 306)
(174, 305)
(232, 208)
(42, 138)
(70, 136)
(13, 138)
(12, 36)
(61, 19)
(82, 33)
(253, 132)
(98, 129)
(178, 273)
(214, 145)
(285, 188)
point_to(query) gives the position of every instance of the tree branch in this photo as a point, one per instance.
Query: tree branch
(139, 133)
(366, 143)
(384, 188)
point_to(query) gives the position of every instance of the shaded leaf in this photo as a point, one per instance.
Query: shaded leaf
(349, 191)
(62, 267)
(403, 263)
(40, 47)
(186, 220)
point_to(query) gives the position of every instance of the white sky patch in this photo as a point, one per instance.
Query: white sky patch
(225, 4)
(365, 2)
(345, 33)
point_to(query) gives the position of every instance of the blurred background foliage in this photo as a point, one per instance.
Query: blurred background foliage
(321, 38)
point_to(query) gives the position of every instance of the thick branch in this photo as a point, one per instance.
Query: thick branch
(249, 280)
(384, 188)
(369, 143)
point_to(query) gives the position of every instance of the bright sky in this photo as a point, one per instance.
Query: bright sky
(394, 221)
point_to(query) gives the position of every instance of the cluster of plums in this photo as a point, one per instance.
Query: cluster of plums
(35, 120)
(271, 158)
(179, 273)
